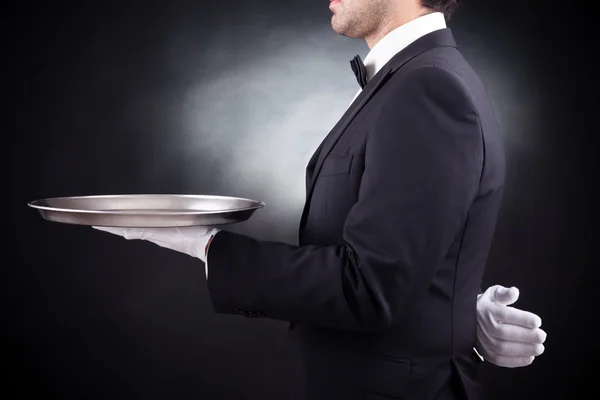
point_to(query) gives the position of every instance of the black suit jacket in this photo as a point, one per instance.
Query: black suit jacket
(402, 201)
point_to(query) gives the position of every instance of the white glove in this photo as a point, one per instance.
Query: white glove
(192, 240)
(507, 336)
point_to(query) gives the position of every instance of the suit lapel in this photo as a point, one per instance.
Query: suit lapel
(440, 38)
(310, 169)
(316, 162)
(365, 95)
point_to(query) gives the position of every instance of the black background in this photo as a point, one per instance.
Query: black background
(232, 98)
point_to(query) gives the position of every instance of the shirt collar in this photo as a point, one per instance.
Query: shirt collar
(400, 38)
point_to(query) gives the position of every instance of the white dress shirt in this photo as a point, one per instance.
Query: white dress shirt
(398, 39)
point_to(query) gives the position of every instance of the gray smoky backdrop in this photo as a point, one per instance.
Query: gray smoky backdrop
(233, 98)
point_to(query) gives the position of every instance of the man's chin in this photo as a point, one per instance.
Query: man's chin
(343, 32)
(338, 29)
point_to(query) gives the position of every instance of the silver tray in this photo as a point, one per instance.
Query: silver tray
(147, 211)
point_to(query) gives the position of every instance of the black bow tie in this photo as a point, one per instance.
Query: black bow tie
(359, 70)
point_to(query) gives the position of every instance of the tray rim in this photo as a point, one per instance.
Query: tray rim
(35, 204)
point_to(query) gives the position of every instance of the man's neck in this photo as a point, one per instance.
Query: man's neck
(397, 19)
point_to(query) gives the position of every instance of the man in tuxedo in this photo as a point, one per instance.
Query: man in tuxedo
(383, 290)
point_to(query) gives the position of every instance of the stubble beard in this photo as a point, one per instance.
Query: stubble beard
(356, 23)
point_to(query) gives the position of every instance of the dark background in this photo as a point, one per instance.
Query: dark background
(232, 98)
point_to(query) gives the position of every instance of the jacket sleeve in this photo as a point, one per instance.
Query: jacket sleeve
(422, 164)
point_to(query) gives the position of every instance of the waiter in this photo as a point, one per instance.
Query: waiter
(403, 194)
